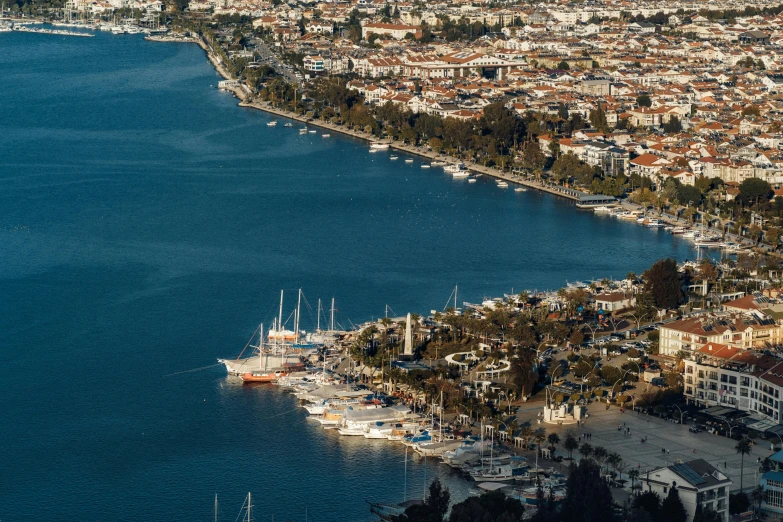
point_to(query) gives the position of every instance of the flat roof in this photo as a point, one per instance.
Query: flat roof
(596, 197)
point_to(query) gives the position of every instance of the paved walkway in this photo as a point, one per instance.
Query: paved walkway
(678, 441)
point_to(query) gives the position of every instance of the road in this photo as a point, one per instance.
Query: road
(269, 57)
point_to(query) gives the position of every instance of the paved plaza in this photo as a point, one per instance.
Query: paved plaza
(675, 438)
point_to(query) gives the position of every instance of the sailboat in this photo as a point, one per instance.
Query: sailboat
(263, 374)
(277, 353)
(247, 507)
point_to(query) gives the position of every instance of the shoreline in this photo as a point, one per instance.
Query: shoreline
(245, 100)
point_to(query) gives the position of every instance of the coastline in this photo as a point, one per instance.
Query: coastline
(245, 100)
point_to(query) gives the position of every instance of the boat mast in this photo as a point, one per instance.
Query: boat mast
(260, 345)
(440, 422)
(405, 481)
(331, 328)
(455, 297)
(298, 308)
(318, 326)
(249, 508)
(280, 318)
(216, 508)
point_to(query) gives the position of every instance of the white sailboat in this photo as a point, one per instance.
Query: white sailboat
(278, 353)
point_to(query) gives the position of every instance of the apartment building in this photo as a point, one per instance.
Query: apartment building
(743, 331)
(717, 374)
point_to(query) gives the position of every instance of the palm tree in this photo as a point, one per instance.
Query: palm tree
(614, 460)
(600, 454)
(553, 440)
(759, 495)
(526, 432)
(633, 475)
(539, 436)
(512, 426)
(743, 448)
(570, 444)
(585, 450)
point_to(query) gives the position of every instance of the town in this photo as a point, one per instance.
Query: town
(653, 398)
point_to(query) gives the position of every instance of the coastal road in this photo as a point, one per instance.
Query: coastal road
(269, 57)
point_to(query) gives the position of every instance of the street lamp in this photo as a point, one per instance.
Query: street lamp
(680, 412)
(592, 330)
(729, 425)
(538, 348)
(618, 380)
(584, 378)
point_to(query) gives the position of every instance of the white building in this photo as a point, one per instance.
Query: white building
(697, 481)
(732, 329)
(614, 301)
(720, 375)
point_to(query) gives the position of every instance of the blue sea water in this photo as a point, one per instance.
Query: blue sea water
(147, 225)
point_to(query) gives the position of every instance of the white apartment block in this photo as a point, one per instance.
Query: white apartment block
(720, 375)
(732, 329)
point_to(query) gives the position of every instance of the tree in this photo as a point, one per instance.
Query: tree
(570, 444)
(672, 509)
(772, 237)
(588, 498)
(703, 183)
(554, 440)
(759, 495)
(738, 503)
(562, 111)
(633, 474)
(563, 65)
(598, 118)
(650, 502)
(662, 280)
(532, 157)
(706, 514)
(751, 110)
(754, 189)
(743, 448)
(432, 510)
(491, 506)
(673, 126)
(585, 450)
(523, 376)
(688, 193)
(643, 100)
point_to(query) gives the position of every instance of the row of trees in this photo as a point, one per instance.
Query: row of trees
(587, 499)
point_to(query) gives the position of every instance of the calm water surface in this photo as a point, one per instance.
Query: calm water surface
(146, 226)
